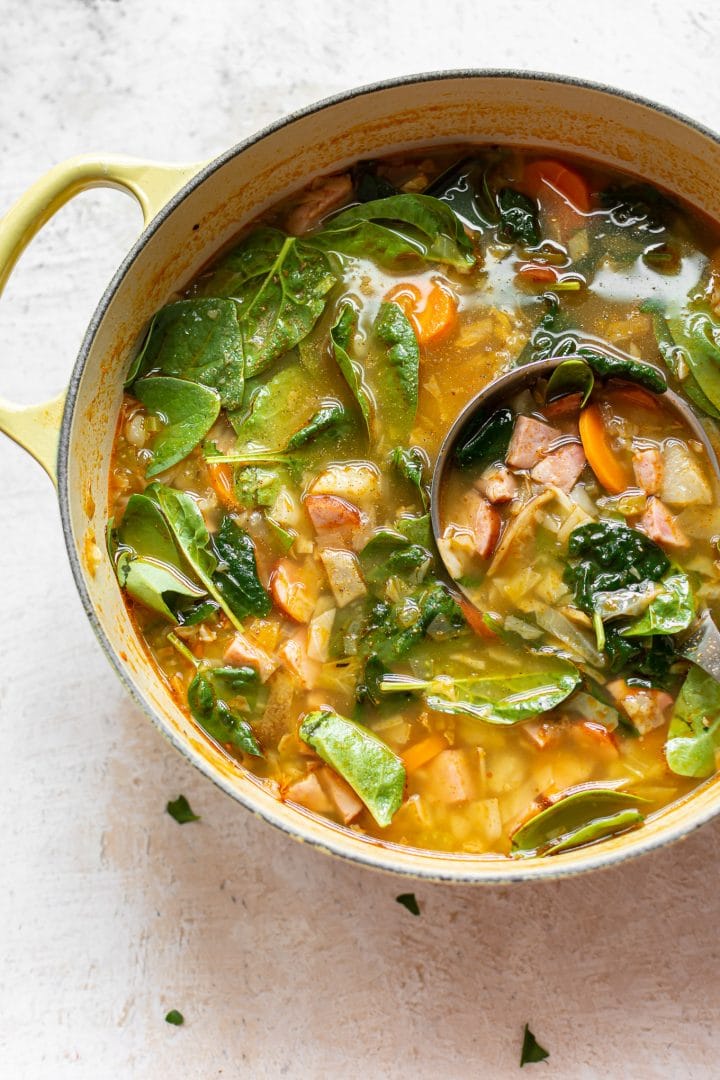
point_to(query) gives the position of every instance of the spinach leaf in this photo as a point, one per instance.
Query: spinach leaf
(699, 335)
(610, 366)
(368, 184)
(531, 1051)
(280, 285)
(257, 485)
(372, 770)
(639, 207)
(223, 723)
(465, 187)
(694, 732)
(572, 376)
(577, 819)
(438, 614)
(409, 901)
(611, 556)
(197, 340)
(156, 586)
(672, 353)
(388, 554)
(329, 418)
(145, 531)
(401, 225)
(518, 218)
(175, 1017)
(417, 530)
(192, 538)
(276, 405)
(189, 410)
(399, 381)
(237, 577)
(485, 439)
(341, 336)
(672, 610)
(411, 464)
(496, 699)
(181, 811)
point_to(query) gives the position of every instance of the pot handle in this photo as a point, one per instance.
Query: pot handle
(37, 427)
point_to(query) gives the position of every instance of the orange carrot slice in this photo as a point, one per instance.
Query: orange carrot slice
(432, 320)
(601, 457)
(221, 478)
(422, 752)
(565, 181)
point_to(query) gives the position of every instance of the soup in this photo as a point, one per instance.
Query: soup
(269, 492)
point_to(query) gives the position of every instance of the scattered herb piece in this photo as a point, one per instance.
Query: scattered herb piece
(531, 1051)
(175, 1017)
(407, 899)
(181, 811)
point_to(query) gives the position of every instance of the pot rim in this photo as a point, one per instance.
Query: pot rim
(433, 866)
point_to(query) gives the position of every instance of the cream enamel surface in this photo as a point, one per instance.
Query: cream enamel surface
(282, 959)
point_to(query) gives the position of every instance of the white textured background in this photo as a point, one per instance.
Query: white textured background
(283, 962)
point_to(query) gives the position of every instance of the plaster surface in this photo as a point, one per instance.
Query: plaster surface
(284, 962)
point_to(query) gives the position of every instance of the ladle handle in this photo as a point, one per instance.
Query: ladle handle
(37, 427)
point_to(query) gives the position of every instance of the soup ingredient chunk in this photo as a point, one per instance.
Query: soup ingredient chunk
(531, 440)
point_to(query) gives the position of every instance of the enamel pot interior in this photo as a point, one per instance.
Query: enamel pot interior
(531, 111)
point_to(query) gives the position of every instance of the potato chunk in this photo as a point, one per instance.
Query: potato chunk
(343, 571)
(357, 481)
(294, 588)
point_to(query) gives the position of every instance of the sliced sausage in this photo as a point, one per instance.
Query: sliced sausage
(241, 651)
(485, 527)
(324, 195)
(530, 441)
(661, 526)
(648, 469)
(561, 468)
(498, 484)
(333, 516)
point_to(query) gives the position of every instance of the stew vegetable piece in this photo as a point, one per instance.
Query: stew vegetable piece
(269, 496)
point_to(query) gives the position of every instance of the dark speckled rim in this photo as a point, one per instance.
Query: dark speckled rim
(480, 872)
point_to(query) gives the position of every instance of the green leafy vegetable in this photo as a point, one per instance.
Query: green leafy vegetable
(175, 1017)
(572, 376)
(280, 285)
(329, 418)
(609, 366)
(198, 340)
(372, 770)
(213, 713)
(510, 698)
(577, 819)
(401, 375)
(387, 634)
(257, 485)
(486, 439)
(369, 184)
(401, 225)
(181, 811)
(189, 411)
(699, 335)
(672, 353)
(694, 732)
(611, 556)
(341, 336)
(191, 535)
(411, 464)
(154, 585)
(237, 577)
(147, 562)
(389, 553)
(518, 218)
(409, 901)
(672, 610)
(465, 187)
(531, 1051)
(638, 207)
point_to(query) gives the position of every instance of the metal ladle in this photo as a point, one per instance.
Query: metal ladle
(498, 393)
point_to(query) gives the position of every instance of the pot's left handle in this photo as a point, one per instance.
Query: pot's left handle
(37, 427)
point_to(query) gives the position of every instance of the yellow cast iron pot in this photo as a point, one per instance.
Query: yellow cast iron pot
(191, 211)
